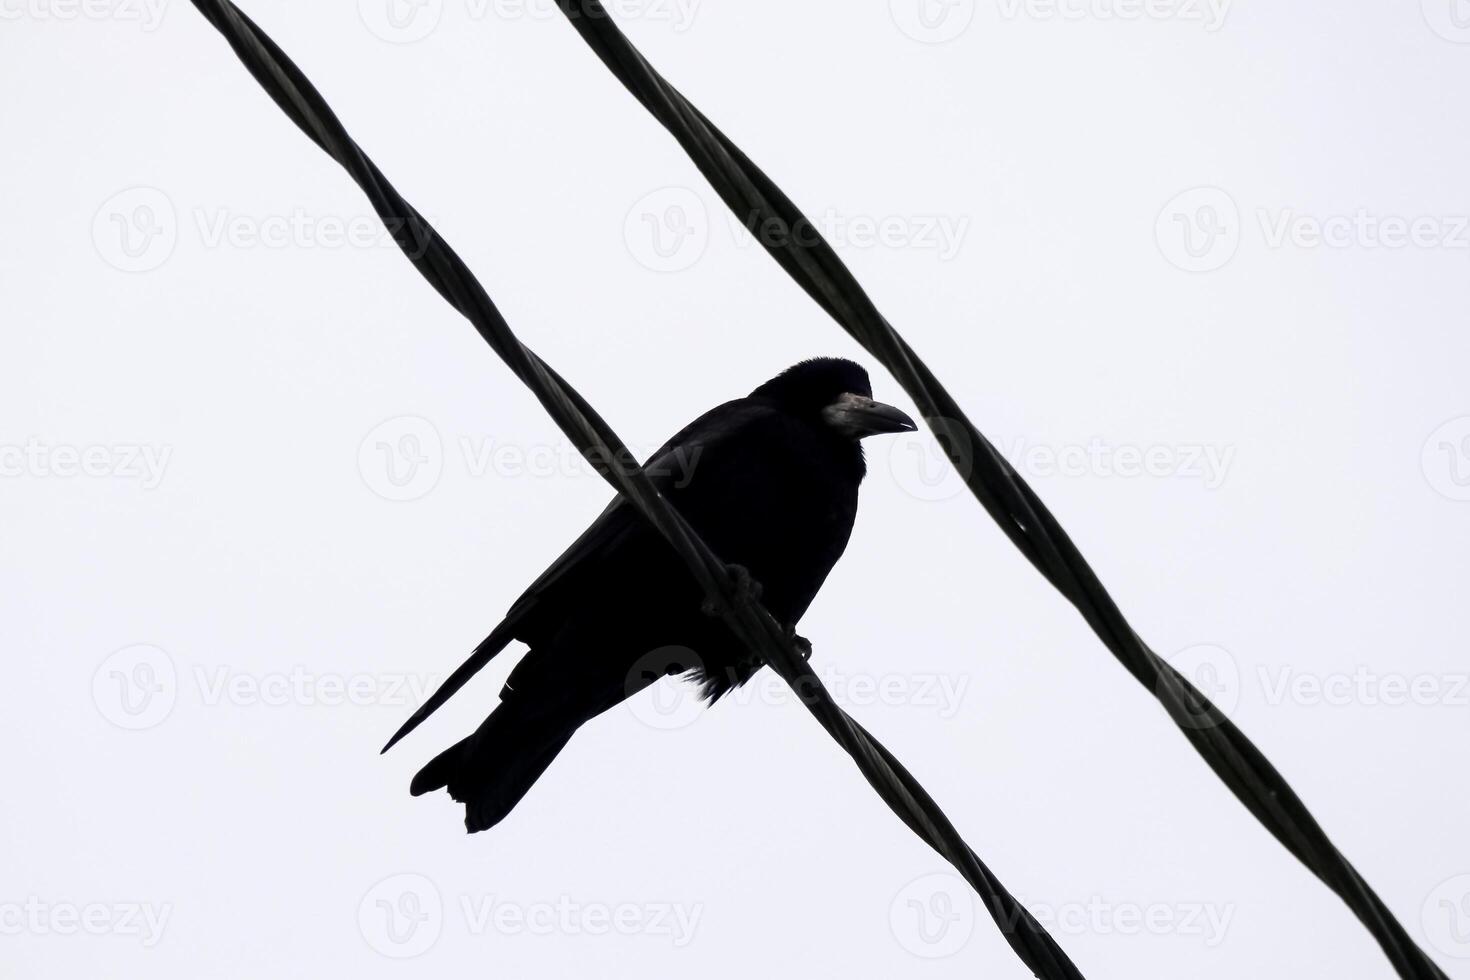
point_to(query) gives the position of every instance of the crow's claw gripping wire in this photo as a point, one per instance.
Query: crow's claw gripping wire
(802, 644)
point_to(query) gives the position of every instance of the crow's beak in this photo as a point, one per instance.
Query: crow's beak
(857, 417)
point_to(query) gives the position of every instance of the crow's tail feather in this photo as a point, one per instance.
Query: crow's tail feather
(491, 771)
(498, 640)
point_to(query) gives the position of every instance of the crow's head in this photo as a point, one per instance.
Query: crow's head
(835, 393)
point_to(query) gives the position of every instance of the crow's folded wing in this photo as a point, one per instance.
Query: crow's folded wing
(617, 532)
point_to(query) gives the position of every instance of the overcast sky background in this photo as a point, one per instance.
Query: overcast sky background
(1202, 272)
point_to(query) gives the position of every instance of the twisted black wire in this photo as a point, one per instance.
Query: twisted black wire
(433, 257)
(811, 261)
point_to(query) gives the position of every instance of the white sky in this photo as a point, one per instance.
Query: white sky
(1267, 459)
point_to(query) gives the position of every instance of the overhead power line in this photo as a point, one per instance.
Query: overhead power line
(814, 265)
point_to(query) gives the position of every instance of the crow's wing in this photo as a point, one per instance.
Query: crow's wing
(620, 528)
(607, 542)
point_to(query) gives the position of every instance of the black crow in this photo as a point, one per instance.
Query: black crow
(769, 481)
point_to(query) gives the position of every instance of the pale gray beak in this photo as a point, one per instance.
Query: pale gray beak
(857, 417)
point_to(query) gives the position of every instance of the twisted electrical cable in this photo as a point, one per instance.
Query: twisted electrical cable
(794, 242)
(448, 274)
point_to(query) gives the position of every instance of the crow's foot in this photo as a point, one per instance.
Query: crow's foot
(802, 644)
